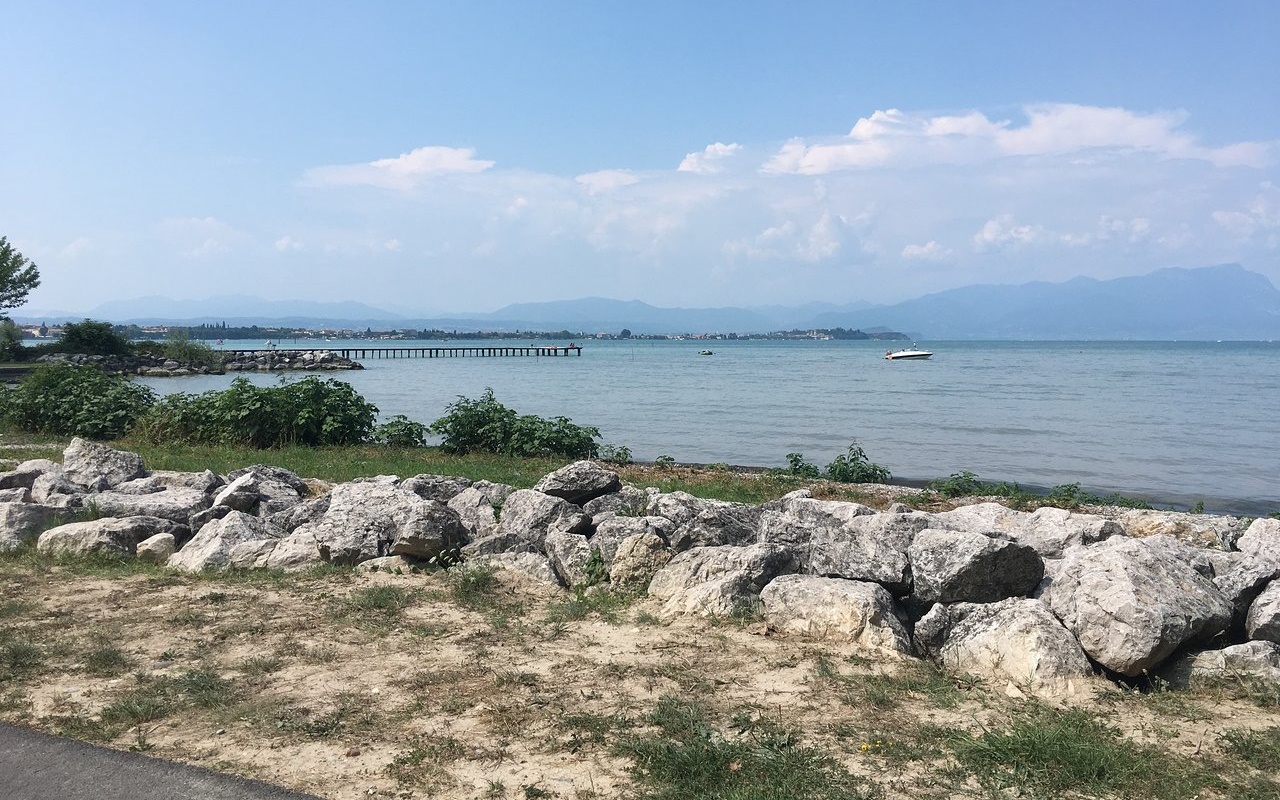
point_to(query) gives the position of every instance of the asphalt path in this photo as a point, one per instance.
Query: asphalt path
(36, 766)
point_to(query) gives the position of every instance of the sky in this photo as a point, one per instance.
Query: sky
(428, 157)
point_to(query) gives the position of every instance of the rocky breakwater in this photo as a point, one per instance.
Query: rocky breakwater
(1038, 600)
(282, 360)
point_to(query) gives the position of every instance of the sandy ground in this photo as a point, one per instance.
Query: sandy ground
(354, 685)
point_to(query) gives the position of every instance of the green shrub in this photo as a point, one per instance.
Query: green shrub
(797, 466)
(616, 454)
(11, 348)
(312, 412)
(400, 431)
(182, 349)
(960, 484)
(70, 400)
(92, 338)
(485, 425)
(854, 467)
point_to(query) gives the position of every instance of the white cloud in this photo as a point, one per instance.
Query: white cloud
(286, 243)
(404, 172)
(930, 251)
(76, 248)
(607, 180)
(710, 160)
(893, 138)
(199, 237)
(1003, 231)
(789, 239)
(1262, 214)
(391, 245)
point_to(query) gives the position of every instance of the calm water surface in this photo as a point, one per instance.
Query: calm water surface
(1175, 421)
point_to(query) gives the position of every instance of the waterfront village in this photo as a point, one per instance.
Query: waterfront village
(281, 333)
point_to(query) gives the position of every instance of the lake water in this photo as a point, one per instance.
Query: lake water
(1173, 421)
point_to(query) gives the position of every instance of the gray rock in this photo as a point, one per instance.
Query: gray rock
(53, 489)
(794, 519)
(252, 554)
(570, 556)
(307, 511)
(611, 532)
(207, 481)
(637, 559)
(25, 474)
(718, 581)
(374, 519)
(1261, 540)
(264, 493)
(275, 474)
(579, 482)
(950, 567)
(97, 467)
(157, 549)
(717, 524)
(23, 522)
(298, 551)
(177, 505)
(988, 518)
(535, 565)
(1200, 530)
(103, 536)
(18, 494)
(477, 506)
(211, 547)
(628, 501)
(1016, 639)
(833, 608)
(1241, 578)
(867, 548)
(441, 488)
(1051, 531)
(396, 564)
(1130, 606)
(531, 515)
(1255, 659)
(1263, 620)
(201, 518)
(499, 543)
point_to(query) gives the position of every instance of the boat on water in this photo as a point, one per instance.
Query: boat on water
(913, 352)
(705, 353)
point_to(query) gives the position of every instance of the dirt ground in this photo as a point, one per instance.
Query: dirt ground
(348, 684)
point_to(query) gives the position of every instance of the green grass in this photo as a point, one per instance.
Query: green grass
(1258, 749)
(686, 757)
(1048, 752)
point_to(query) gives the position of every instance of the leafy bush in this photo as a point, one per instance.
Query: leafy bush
(182, 349)
(69, 400)
(854, 467)
(960, 484)
(797, 466)
(93, 338)
(487, 426)
(400, 431)
(10, 341)
(616, 454)
(312, 412)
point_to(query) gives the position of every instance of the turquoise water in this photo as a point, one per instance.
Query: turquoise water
(1174, 421)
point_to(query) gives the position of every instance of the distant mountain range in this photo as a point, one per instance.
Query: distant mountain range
(1220, 302)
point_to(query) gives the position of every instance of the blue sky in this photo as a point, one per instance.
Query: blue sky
(426, 157)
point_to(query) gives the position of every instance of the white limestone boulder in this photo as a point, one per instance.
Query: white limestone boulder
(834, 608)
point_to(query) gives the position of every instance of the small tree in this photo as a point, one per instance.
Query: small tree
(93, 338)
(18, 276)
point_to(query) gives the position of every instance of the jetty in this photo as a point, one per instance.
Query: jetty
(474, 351)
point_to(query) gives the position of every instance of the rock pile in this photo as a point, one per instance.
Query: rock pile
(1038, 599)
(161, 367)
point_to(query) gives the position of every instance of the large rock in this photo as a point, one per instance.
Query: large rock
(866, 547)
(263, 491)
(25, 474)
(534, 565)
(1018, 640)
(833, 608)
(796, 518)
(104, 536)
(374, 519)
(307, 511)
(252, 554)
(628, 501)
(1263, 620)
(275, 474)
(1241, 578)
(297, 551)
(211, 547)
(1255, 659)
(613, 530)
(570, 557)
(1051, 531)
(478, 506)
(441, 488)
(53, 489)
(716, 524)
(531, 515)
(23, 522)
(157, 549)
(637, 559)
(18, 494)
(501, 543)
(718, 581)
(579, 482)
(174, 504)
(1261, 540)
(97, 467)
(1131, 606)
(1200, 530)
(950, 567)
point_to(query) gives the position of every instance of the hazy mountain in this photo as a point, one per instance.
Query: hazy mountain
(1222, 302)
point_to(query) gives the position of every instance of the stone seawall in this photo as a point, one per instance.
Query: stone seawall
(161, 367)
(1041, 600)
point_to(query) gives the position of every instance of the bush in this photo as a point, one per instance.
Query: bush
(311, 412)
(69, 400)
(487, 426)
(854, 467)
(798, 467)
(960, 484)
(400, 431)
(182, 349)
(11, 348)
(92, 338)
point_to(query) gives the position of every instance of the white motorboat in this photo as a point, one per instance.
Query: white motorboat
(913, 352)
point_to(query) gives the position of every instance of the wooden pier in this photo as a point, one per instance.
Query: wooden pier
(476, 351)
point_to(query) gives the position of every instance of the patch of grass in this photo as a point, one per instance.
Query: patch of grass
(205, 688)
(107, 660)
(586, 601)
(10, 609)
(261, 665)
(375, 607)
(351, 714)
(686, 757)
(1049, 752)
(424, 763)
(19, 658)
(1258, 749)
